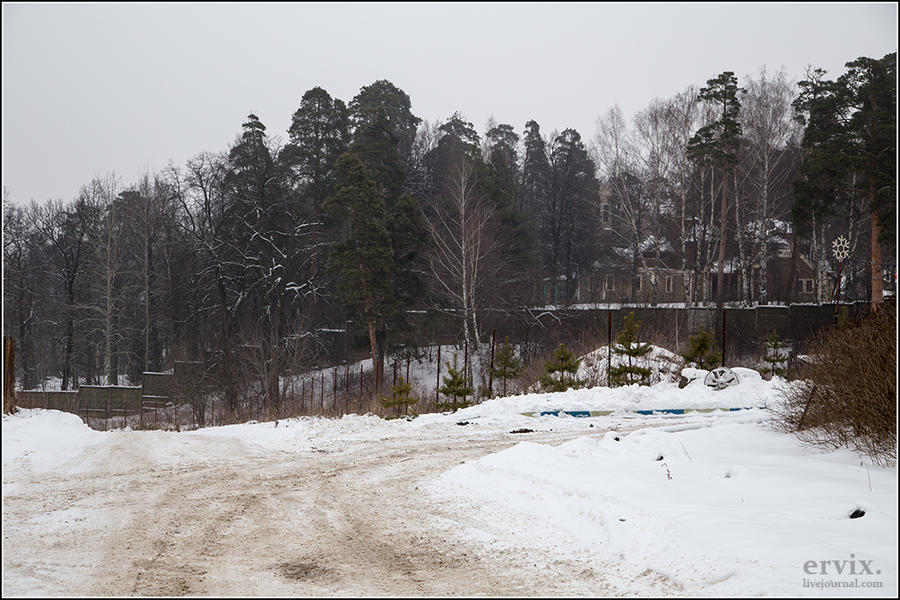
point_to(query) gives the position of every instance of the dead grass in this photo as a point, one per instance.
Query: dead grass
(845, 394)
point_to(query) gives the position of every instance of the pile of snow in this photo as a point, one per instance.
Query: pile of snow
(726, 510)
(753, 392)
(45, 440)
(663, 364)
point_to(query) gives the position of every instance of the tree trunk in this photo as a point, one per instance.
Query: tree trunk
(147, 259)
(720, 274)
(685, 282)
(764, 242)
(373, 346)
(70, 342)
(877, 291)
(742, 251)
(707, 258)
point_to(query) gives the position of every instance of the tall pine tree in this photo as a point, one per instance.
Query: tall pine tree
(361, 256)
(850, 128)
(717, 143)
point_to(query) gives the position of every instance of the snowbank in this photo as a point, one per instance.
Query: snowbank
(730, 510)
(752, 392)
(45, 439)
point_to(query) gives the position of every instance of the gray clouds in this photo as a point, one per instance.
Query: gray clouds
(94, 88)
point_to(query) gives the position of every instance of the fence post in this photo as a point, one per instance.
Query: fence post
(723, 336)
(9, 375)
(465, 369)
(608, 346)
(437, 387)
(491, 372)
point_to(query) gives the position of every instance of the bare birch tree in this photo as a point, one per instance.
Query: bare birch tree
(461, 247)
(619, 164)
(771, 134)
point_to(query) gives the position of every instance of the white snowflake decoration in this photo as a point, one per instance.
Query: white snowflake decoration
(841, 248)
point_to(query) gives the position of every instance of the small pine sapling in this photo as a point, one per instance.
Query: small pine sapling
(702, 350)
(401, 397)
(776, 357)
(628, 345)
(506, 365)
(456, 387)
(561, 371)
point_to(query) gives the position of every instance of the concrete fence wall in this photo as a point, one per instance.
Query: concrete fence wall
(745, 331)
(66, 401)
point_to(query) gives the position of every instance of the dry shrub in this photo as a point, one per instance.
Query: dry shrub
(846, 391)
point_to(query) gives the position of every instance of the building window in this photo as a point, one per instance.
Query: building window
(609, 282)
(669, 285)
(804, 286)
(638, 288)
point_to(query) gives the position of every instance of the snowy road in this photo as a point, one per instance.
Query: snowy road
(205, 515)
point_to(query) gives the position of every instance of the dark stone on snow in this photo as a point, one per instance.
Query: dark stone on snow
(462, 423)
(616, 438)
(682, 383)
(660, 457)
(523, 430)
(857, 513)
(591, 425)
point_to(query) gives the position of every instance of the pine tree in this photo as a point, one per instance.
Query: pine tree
(515, 235)
(717, 145)
(378, 143)
(702, 350)
(384, 98)
(566, 235)
(401, 397)
(319, 134)
(776, 356)
(561, 371)
(361, 256)
(627, 345)
(455, 386)
(506, 364)
(850, 144)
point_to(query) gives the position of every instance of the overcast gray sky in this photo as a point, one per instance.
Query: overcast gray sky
(94, 88)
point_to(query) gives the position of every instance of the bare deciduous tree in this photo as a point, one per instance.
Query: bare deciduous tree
(461, 247)
(770, 133)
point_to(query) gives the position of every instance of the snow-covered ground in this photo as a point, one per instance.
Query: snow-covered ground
(707, 502)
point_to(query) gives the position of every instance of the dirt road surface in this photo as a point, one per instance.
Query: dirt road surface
(205, 515)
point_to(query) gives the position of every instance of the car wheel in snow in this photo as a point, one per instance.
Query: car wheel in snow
(721, 378)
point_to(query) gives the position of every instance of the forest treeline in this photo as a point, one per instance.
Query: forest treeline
(242, 258)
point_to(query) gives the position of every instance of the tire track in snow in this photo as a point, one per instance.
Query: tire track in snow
(212, 516)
